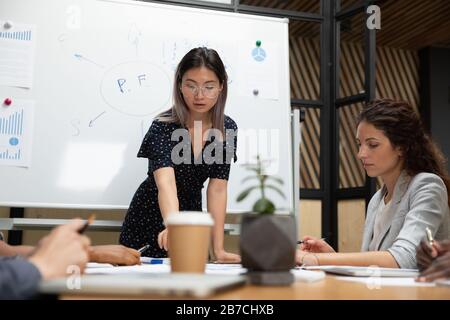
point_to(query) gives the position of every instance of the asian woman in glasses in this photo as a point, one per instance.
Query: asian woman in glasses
(192, 141)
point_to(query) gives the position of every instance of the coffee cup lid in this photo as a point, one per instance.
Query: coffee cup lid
(190, 217)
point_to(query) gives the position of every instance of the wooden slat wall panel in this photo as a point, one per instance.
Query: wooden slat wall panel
(407, 24)
(310, 151)
(351, 172)
(352, 69)
(414, 24)
(397, 77)
(306, 29)
(351, 218)
(294, 5)
(305, 68)
(305, 84)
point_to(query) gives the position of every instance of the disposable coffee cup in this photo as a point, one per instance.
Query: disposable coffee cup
(189, 238)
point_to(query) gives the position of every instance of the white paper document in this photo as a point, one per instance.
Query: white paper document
(307, 276)
(143, 268)
(211, 268)
(226, 269)
(16, 132)
(371, 271)
(375, 282)
(91, 265)
(17, 45)
(258, 70)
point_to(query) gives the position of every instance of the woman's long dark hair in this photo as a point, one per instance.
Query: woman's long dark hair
(196, 58)
(404, 129)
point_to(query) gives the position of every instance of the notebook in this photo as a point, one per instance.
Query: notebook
(170, 284)
(366, 271)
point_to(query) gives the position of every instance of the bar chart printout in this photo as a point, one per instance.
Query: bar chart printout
(16, 126)
(17, 46)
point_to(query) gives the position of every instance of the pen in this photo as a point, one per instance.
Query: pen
(144, 248)
(86, 224)
(429, 236)
(301, 241)
(156, 261)
(147, 260)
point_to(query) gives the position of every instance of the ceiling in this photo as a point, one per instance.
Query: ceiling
(408, 24)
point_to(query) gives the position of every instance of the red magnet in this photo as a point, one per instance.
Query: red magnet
(7, 101)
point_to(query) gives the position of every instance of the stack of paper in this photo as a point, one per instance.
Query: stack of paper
(307, 276)
(371, 271)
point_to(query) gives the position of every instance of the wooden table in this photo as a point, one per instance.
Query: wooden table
(328, 289)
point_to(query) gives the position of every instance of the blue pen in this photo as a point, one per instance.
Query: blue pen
(156, 261)
(146, 260)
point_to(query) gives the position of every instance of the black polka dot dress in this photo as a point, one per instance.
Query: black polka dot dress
(143, 221)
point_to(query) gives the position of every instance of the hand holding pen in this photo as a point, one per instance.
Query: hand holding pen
(427, 251)
(311, 244)
(142, 250)
(88, 222)
(305, 241)
(433, 258)
(431, 243)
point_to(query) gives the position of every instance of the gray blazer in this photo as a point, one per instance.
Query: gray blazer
(19, 279)
(418, 202)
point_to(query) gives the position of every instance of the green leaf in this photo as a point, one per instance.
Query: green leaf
(277, 190)
(279, 180)
(245, 193)
(249, 178)
(264, 206)
(254, 169)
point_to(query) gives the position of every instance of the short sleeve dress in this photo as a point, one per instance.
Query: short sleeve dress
(143, 221)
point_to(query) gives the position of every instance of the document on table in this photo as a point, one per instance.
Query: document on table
(143, 268)
(307, 275)
(211, 268)
(227, 268)
(371, 271)
(375, 282)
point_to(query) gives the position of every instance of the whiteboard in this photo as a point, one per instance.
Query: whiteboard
(87, 129)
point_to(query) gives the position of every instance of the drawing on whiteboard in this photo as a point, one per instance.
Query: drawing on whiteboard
(259, 54)
(75, 124)
(136, 88)
(62, 37)
(83, 58)
(91, 123)
(174, 50)
(134, 36)
(16, 133)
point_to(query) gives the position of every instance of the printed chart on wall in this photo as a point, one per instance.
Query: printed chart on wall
(16, 132)
(17, 43)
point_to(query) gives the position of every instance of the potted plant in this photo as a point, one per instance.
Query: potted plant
(268, 241)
